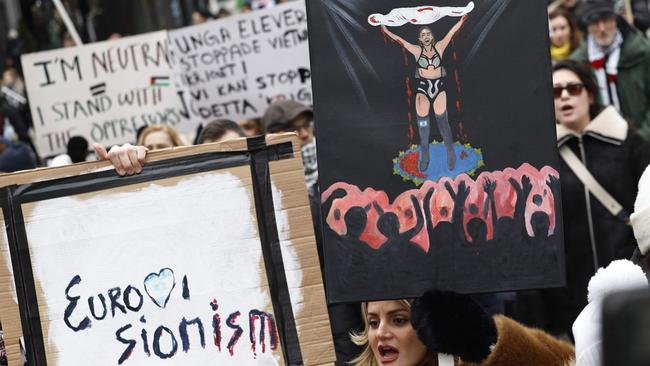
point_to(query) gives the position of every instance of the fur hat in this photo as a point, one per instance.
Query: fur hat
(640, 219)
(618, 276)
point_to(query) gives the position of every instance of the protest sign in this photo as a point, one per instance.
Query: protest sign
(234, 68)
(436, 146)
(231, 68)
(103, 91)
(212, 263)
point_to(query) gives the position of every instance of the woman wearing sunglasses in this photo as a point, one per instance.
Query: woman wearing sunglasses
(616, 156)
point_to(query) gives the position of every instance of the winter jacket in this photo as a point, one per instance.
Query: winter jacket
(520, 346)
(616, 156)
(633, 81)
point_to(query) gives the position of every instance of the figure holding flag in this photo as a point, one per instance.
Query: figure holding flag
(430, 72)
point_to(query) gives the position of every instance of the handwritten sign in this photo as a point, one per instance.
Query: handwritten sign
(236, 67)
(103, 91)
(185, 278)
(231, 68)
(147, 293)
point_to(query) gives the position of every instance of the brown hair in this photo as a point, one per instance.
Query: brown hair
(173, 135)
(429, 29)
(576, 34)
(585, 73)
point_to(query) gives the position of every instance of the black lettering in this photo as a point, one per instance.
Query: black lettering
(182, 328)
(186, 289)
(114, 296)
(305, 74)
(264, 318)
(129, 342)
(156, 343)
(127, 296)
(85, 322)
(216, 324)
(230, 322)
(74, 66)
(145, 338)
(91, 305)
(48, 81)
(96, 61)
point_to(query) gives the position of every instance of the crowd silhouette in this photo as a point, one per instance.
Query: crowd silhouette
(454, 233)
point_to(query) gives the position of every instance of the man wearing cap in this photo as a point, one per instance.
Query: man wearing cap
(291, 116)
(620, 56)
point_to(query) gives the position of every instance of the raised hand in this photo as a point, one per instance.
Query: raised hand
(526, 185)
(489, 186)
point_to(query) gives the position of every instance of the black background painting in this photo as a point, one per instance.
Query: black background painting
(501, 103)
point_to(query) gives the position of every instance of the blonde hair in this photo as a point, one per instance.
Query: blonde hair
(367, 357)
(173, 135)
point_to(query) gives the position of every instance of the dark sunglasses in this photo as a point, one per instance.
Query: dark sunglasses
(572, 89)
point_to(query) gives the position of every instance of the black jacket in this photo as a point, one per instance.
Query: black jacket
(616, 156)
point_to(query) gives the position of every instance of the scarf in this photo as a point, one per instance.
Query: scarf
(604, 60)
(560, 53)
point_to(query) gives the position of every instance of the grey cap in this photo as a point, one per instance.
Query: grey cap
(592, 10)
(279, 115)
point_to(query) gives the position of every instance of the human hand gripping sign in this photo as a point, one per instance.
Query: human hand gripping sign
(127, 159)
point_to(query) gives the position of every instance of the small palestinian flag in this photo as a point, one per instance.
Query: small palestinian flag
(159, 81)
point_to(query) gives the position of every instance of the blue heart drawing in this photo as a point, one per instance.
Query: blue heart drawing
(159, 286)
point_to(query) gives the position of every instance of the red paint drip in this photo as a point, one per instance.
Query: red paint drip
(458, 105)
(454, 55)
(409, 101)
(425, 9)
(414, 20)
(409, 92)
(463, 155)
(253, 343)
(461, 129)
(373, 19)
(386, 38)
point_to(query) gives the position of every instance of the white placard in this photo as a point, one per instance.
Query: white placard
(235, 67)
(103, 91)
(231, 68)
(189, 266)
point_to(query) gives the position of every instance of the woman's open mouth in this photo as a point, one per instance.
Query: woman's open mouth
(567, 110)
(387, 354)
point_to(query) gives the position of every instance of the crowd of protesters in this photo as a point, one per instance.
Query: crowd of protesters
(601, 86)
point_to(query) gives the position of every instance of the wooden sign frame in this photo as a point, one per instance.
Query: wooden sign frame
(305, 338)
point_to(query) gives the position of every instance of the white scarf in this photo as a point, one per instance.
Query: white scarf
(604, 60)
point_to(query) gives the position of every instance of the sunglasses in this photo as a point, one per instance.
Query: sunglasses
(572, 89)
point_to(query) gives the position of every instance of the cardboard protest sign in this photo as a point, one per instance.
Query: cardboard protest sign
(231, 68)
(234, 68)
(206, 257)
(103, 91)
(436, 146)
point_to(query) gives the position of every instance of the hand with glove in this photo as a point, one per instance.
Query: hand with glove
(447, 322)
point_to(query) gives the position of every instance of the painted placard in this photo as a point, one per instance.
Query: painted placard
(103, 91)
(436, 146)
(182, 279)
(235, 67)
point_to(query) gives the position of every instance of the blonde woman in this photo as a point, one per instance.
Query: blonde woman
(156, 137)
(421, 332)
